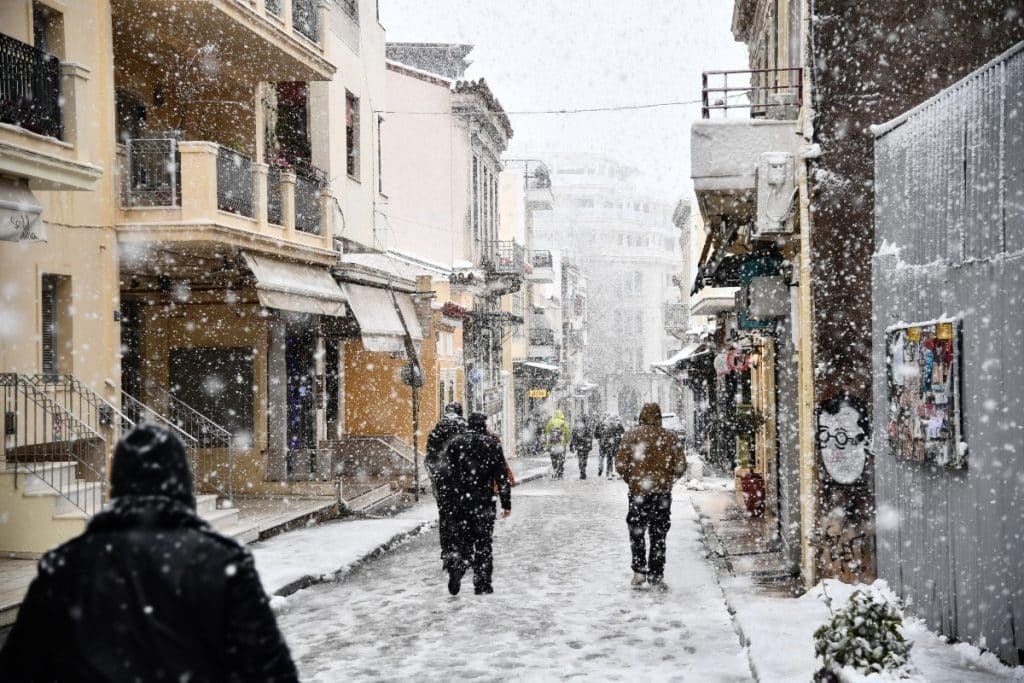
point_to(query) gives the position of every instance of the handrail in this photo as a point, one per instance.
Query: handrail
(43, 437)
(84, 402)
(207, 435)
(30, 89)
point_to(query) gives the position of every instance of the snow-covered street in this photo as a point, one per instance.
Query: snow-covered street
(562, 606)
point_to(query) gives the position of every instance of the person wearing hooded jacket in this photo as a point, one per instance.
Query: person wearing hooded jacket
(649, 460)
(451, 425)
(556, 436)
(609, 435)
(149, 591)
(474, 463)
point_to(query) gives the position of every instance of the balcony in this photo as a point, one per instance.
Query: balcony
(541, 266)
(677, 319)
(183, 190)
(276, 40)
(713, 300)
(740, 123)
(542, 344)
(504, 264)
(40, 104)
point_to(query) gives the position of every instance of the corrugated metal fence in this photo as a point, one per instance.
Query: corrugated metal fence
(949, 241)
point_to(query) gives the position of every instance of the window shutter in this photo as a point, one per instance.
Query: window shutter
(49, 323)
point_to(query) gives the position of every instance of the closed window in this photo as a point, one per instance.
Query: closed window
(352, 134)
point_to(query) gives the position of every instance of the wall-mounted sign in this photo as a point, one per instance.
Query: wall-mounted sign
(924, 393)
(20, 215)
(842, 434)
(537, 393)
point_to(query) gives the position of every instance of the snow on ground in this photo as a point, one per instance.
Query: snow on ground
(780, 635)
(562, 606)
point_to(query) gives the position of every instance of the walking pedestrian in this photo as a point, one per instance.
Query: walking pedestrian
(149, 591)
(556, 435)
(609, 436)
(473, 463)
(581, 442)
(448, 427)
(649, 460)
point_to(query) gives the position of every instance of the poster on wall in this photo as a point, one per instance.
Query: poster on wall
(924, 393)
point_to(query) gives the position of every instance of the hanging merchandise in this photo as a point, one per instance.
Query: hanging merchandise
(738, 360)
(722, 363)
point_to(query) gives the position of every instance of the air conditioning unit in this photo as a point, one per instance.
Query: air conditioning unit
(776, 195)
(768, 297)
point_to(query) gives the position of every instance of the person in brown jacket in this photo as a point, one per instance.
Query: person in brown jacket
(649, 460)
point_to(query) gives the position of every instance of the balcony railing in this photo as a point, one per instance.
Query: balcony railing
(541, 258)
(153, 174)
(29, 88)
(305, 18)
(307, 204)
(542, 337)
(273, 7)
(234, 182)
(758, 93)
(506, 258)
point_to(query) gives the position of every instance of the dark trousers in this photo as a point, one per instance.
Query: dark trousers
(558, 463)
(603, 458)
(649, 515)
(582, 456)
(474, 534)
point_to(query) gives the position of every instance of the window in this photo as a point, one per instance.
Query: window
(352, 134)
(476, 199)
(349, 7)
(48, 29)
(131, 115)
(49, 325)
(55, 319)
(216, 382)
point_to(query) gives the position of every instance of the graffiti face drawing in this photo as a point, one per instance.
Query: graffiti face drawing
(842, 443)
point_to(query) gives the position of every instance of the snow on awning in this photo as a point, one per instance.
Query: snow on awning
(20, 214)
(688, 352)
(296, 287)
(379, 325)
(536, 365)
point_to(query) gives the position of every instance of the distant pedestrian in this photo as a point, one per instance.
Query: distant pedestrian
(556, 436)
(609, 435)
(649, 460)
(581, 442)
(148, 592)
(448, 427)
(473, 463)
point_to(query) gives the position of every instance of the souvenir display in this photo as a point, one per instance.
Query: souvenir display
(924, 393)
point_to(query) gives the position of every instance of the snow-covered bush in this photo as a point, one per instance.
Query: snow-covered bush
(865, 636)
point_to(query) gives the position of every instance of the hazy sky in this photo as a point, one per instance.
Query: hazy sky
(570, 54)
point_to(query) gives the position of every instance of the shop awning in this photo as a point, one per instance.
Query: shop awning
(20, 214)
(537, 365)
(296, 287)
(379, 325)
(688, 352)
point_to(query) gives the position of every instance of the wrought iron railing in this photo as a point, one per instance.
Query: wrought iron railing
(83, 402)
(215, 446)
(542, 337)
(541, 258)
(153, 176)
(30, 88)
(273, 7)
(139, 412)
(307, 204)
(234, 182)
(754, 92)
(274, 213)
(305, 19)
(45, 441)
(506, 257)
(349, 7)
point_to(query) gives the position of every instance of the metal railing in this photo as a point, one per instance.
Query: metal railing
(211, 439)
(273, 7)
(506, 257)
(45, 441)
(83, 402)
(542, 337)
(755, 92)
(139, 412)
(153, 176)
(541, 258)
(234, 182)
(307, 204)
(30, 88)
(305, 19)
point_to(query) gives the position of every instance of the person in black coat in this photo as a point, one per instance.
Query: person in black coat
(451, 425)
(581, 442)
(474, 464)
(609, 436)
(148, 592)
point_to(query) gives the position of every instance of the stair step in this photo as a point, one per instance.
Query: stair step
(206, 503)
(241, 533)
(221, 519)
(36, 476)
(84, 494)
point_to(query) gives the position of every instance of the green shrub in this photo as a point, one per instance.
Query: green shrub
(866, 636)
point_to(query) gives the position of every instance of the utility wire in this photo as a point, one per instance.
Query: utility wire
(580, 110)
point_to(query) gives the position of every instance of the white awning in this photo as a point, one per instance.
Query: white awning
(536, 365)
(20, 214)
(686, 353)
(296, 286)
(379, 325)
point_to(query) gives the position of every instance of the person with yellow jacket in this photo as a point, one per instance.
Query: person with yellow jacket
(556, 435)
(649, 460)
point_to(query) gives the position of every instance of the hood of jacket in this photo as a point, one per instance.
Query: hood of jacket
(559, 415)
(650, 414)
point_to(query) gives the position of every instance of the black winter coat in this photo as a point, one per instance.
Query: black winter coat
(440, 436)
(148, 593)
(472, 464)
(609, 436)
